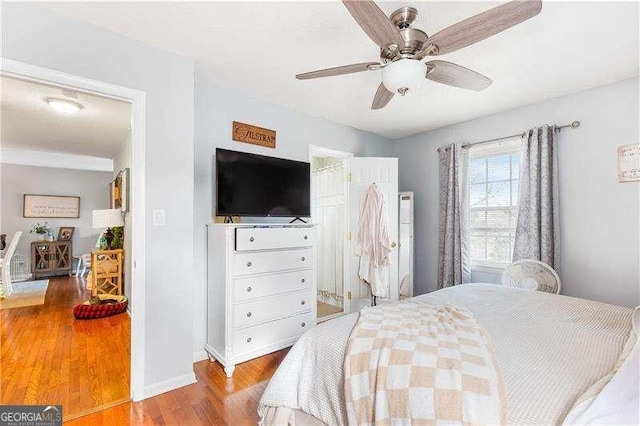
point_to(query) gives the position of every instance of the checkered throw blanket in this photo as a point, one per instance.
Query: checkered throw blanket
(410, 363)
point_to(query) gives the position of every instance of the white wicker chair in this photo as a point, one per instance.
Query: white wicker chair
(531, 275)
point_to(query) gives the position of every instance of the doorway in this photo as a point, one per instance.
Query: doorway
(135, 258)
(339, 183)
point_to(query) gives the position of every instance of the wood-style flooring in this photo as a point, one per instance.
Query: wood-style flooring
(325, 309)
(213, 400)
(49, 357)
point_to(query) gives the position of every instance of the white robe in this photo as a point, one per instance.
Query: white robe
(373, 242)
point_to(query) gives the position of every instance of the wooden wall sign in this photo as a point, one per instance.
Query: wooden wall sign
(254, 135)
(50, 206)
(629, 163)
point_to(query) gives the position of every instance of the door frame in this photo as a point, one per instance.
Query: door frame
(137, 98)
(320, 151)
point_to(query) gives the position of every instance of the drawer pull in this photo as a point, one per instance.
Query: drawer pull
(248, 339)
(302, 303)
(305, 237)
(249, 289)
(303, 324)
(302, 258)
(249, 264)
(248, 314)
(302, 280)
(251, 239)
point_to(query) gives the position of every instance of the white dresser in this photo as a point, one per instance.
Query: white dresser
(261, 289)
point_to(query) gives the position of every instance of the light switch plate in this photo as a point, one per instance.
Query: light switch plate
(159, 217)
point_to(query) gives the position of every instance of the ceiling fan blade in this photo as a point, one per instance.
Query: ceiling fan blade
(329, 72)
(382, 97)
(458, 76)
(484, 25)
(374, 22)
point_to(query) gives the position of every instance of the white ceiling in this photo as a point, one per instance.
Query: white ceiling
(28, 122)
(257, 48)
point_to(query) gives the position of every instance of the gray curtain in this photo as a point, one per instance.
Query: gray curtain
(453, 265)
(537, 225)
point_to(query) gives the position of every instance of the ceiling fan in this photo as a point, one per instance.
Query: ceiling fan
(403, 47)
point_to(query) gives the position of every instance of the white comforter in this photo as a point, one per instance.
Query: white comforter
(550, 349)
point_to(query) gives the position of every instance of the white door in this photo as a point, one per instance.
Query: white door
(363, 172)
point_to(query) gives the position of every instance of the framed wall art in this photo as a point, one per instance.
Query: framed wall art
(119, 191)
(50, 206)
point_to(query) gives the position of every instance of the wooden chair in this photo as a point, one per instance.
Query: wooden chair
(6, 289)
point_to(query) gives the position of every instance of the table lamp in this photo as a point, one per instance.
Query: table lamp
(107, 218)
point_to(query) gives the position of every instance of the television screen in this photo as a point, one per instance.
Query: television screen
(255, 185)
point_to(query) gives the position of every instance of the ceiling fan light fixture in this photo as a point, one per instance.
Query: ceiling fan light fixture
(404, 75)
(64, 106)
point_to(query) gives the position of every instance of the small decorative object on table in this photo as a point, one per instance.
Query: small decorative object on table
(40, 230)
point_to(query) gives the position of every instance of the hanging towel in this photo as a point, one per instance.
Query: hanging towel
(373, 242)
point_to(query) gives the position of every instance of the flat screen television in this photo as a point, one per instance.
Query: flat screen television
(256, 185)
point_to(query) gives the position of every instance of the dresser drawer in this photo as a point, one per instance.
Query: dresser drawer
(254, 338)
(272, 308)
(273, 238)
(269, 285)
(258, 263)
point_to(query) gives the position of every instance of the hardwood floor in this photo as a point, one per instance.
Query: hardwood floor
(325, 309)
(214, 400)
(48, 357)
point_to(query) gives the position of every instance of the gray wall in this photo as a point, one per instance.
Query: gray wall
(91, 187)
(215, 109)
(599, 217)
(43, 38)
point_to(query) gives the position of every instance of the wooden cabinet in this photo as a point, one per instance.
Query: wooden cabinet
(51, 258)
(106, 272)
(261, 289)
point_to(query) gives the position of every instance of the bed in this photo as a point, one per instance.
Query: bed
(549, 349)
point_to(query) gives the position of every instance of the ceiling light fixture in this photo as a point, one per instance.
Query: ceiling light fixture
(64, 106)
(404, 75)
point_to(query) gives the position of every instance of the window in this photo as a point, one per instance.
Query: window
(493, 200)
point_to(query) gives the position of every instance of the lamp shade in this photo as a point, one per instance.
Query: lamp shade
(405, 75)
(107, 218)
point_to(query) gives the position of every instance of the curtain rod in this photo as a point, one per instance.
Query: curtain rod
(572, 125)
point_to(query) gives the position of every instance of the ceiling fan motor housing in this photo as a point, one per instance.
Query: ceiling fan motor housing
(414, 39)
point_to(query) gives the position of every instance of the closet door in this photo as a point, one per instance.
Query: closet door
(363, 172)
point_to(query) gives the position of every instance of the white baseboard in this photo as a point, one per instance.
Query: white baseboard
(169, 385)
(201, 355)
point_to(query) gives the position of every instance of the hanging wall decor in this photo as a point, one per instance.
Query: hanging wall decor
(253, 134)
(119, 191)
(629, 163)
(57, 206)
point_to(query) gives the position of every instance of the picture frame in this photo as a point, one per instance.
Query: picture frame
(119, 191)
(50, 206)
(65, 233)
